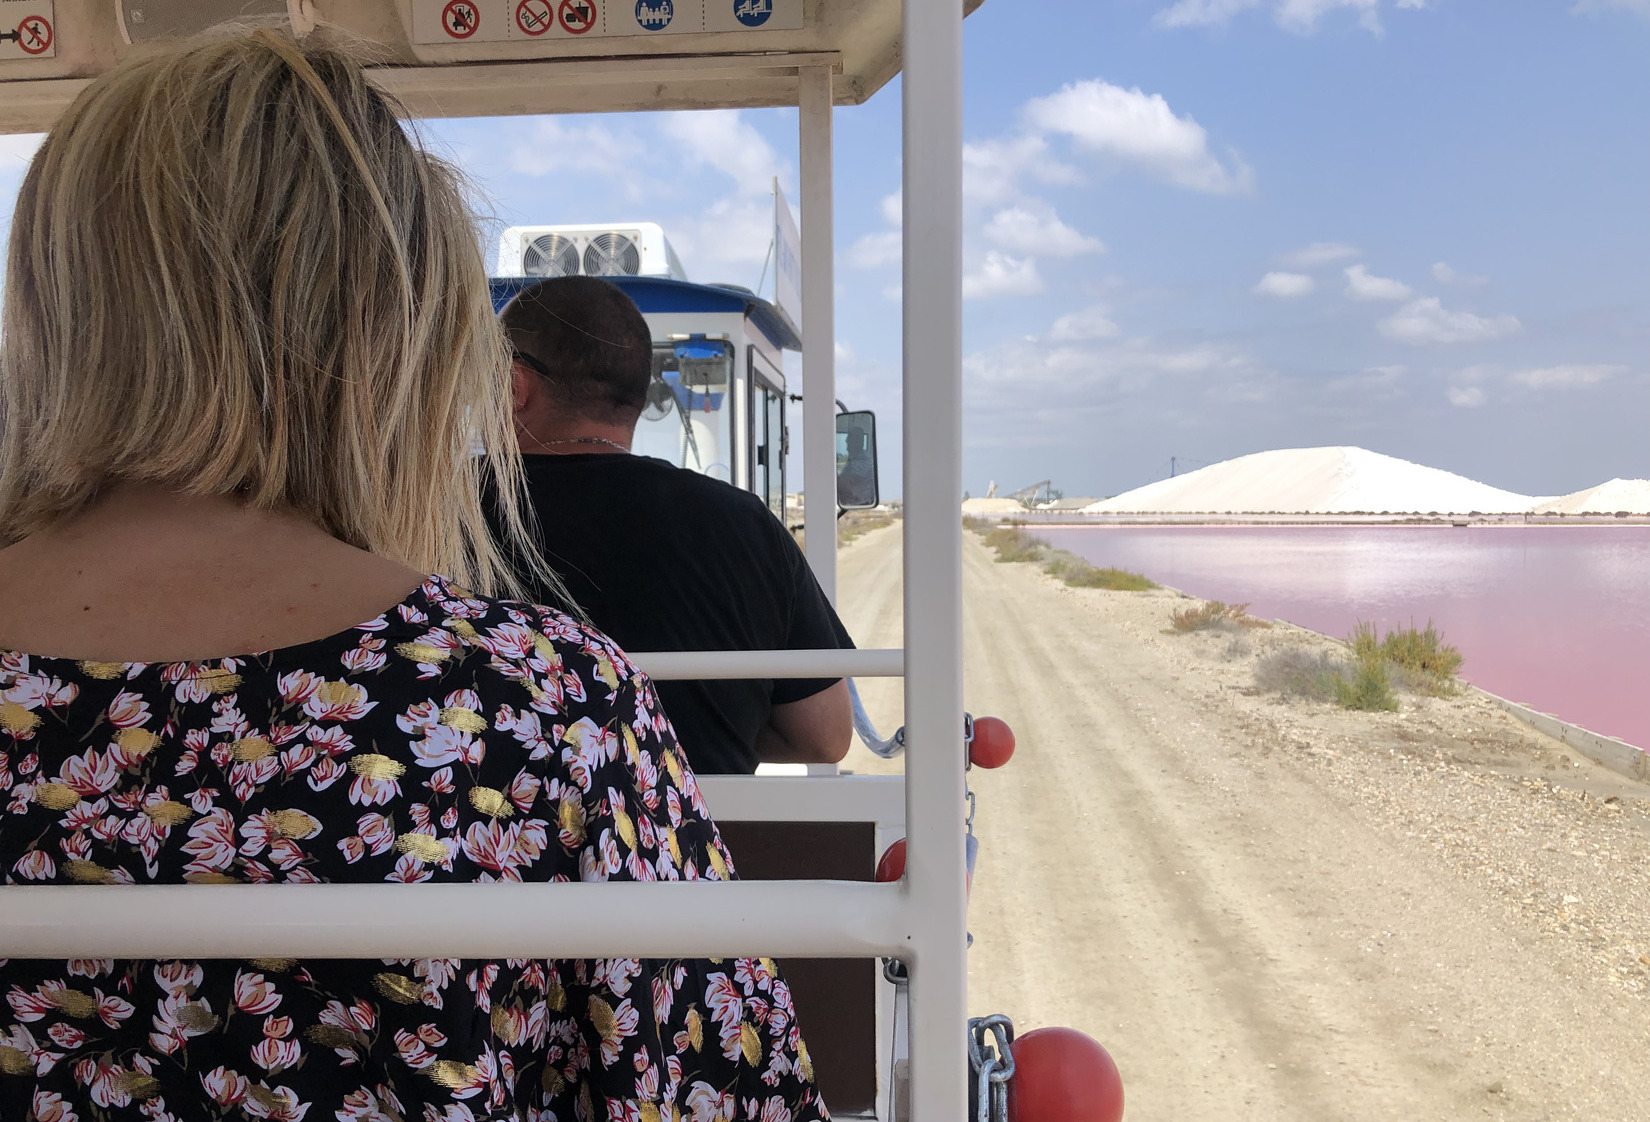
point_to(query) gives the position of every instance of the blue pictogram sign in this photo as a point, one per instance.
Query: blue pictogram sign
(654, 15)
(752, 13)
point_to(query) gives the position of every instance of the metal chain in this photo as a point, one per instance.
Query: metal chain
(991, 1062)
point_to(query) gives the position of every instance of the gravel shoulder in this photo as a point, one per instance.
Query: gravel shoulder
(1279, 909)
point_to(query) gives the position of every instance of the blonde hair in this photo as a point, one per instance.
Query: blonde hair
(232, 272)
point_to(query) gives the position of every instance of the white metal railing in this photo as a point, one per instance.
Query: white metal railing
(814, 919)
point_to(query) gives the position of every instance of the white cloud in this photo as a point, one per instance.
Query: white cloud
(1565, 377)
(1037, 231)
(993, 168)
(724, 238)
(724, 140)
(1443, 274)
(876, 250)
(1467, 397)
(17, 149)
(1001, 275)
(893, 208)
(1140, 129)
(1077, 327)
(1299, 16)
(1202, 13)
(1318, 253)
(1361, 284)
(1285, 286)
(553, 146)
(1302, 16)
(1048, 390)
(1598, 7)
(1427, 321)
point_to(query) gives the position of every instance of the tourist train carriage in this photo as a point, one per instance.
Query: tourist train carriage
(464, 58)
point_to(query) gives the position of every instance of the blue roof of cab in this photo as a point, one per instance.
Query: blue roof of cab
(662, 294)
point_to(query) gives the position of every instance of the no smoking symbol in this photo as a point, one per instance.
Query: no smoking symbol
(577, 16)
(34, 34)
(533, 17)
(460, 19)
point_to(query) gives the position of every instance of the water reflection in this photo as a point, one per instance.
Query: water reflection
(1556, 617)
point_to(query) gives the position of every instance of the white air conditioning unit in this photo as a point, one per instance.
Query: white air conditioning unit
(639, 249)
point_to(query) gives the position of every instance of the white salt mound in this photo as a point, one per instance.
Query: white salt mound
(980, 507)
(1631, 495)
(1338, 480)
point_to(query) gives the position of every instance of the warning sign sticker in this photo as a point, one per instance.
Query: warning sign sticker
(460, 19)
(534, 17)
(454, 22)
(578, 16)
(27, 29)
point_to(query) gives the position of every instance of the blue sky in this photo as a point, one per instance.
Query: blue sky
(1210, 227)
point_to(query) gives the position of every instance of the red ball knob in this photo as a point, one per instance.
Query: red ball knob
(1062, 1075)
(993, 743)
(891, 866)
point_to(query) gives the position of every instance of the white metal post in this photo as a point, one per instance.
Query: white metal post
(933, 557)
(818, 326)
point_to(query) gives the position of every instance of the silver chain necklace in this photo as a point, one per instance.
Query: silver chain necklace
(583, 440)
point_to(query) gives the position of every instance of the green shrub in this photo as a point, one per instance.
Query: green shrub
(1014, 544)
(1369, 688)
(1080, 574)
(1428, 664)
(1418, 657)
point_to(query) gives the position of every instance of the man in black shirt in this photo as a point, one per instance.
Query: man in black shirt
(664, 559)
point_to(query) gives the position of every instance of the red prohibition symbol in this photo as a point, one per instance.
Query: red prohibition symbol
(460, 19)
(534, 17)
(577, 16)
(34, 34)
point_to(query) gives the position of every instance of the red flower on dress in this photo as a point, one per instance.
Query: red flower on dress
(227, 1088)
(255, 995)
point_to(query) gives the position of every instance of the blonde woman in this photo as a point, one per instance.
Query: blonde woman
(247, 354)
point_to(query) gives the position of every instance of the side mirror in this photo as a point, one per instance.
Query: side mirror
(856, 461)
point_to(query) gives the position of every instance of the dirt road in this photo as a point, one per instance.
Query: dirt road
(1266, 912)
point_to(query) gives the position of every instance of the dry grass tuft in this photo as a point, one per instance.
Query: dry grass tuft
(1013, 544)
(1212, 615)
(1300, 672)
(1080, 574)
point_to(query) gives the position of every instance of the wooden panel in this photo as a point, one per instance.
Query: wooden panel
(836, 999)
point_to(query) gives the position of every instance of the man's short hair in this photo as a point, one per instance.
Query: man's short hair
(587, 341)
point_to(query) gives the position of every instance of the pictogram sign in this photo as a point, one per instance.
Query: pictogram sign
(34, 34)
(654, 15)
(27, 29)
(577, 16)
(459, 19)
(534, 17)
(752, 13)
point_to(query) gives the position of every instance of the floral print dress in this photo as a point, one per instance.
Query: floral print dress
(454, 738)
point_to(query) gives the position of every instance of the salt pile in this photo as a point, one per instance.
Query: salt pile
(1337, 480)
(1631, 495)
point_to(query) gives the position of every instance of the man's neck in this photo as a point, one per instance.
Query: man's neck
(581, 438)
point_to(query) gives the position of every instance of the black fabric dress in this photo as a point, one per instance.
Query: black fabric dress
(454, 738)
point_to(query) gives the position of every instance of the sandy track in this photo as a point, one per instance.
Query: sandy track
(1265, 917)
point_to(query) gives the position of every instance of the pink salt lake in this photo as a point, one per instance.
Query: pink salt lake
(1557, 617)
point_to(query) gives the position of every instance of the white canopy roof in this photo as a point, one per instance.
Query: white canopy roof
(478, 58)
